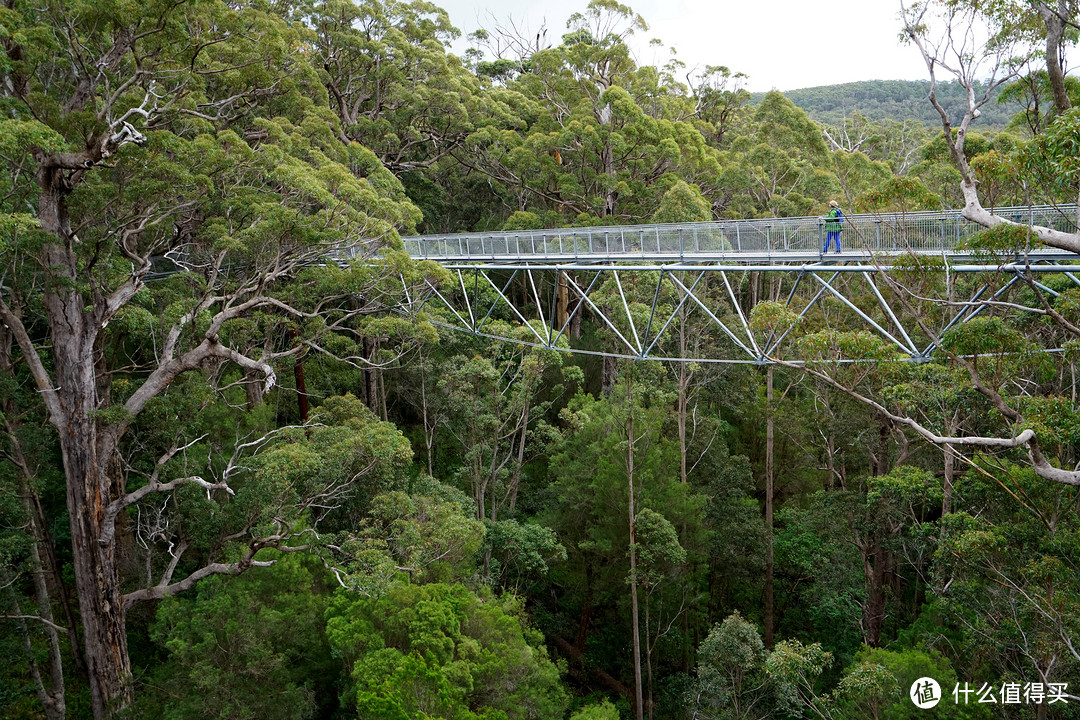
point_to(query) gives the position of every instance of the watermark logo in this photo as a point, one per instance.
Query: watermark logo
(925, 693)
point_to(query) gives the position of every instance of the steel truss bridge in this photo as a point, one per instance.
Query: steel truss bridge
(648, 285)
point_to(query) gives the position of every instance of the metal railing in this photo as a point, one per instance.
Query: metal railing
(927, 232)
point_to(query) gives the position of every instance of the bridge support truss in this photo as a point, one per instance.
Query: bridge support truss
(647, 310)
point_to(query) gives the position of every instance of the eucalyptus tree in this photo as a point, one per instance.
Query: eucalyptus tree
(498, 399)
(192, 139)
(613, 463)
(442, 650)
(783, 159)
(596, 57)
(949, 38)
(571, 83)
(1033, 91)
(391, 81)
(586, 133)
(1005, 569)
(730, 680)
(856, 173)
(659, 558)
(937, 31)
(720, 103)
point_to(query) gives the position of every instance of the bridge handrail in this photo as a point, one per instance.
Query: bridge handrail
(923, 230)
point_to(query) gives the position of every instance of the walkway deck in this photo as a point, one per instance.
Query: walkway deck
(735, 241)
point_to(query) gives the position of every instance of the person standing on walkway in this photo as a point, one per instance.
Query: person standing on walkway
(833, 226)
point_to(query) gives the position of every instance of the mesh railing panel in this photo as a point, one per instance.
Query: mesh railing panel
(924, 231)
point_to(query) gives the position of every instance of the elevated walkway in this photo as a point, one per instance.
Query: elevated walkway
(640, 282)
(751, 242)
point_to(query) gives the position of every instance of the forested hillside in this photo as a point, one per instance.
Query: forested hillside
(896, 100)
(240, 481)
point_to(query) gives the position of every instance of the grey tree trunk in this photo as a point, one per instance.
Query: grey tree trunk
(769, 447)
(85, 450)
(638, 704)
(1054, 19)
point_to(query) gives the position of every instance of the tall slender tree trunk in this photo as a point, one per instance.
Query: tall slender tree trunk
(515, 481)
(648, 658)
(429, 431)
(54, 698)
(1055, 20)
(44, 564)
(638, 704)
(950, 471)
(96, 579)
(301, 386)
(682, 385)
(382, 395)
(51, 697)
(607, 160)
(769, 447)
(371, 386)
(881, 459)
(609, 367)
(85, 451)
(950, 466)
(562, 300)
(874, 609)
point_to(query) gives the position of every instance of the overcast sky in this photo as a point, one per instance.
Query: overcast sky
(781, 44)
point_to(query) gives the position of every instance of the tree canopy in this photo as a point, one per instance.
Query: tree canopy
(247, 470)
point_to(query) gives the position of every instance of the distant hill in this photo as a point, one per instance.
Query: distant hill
(895, 99)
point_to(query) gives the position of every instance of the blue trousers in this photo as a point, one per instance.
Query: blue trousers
(829, 237)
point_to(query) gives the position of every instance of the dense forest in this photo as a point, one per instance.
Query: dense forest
(240, 481)
(898, 100)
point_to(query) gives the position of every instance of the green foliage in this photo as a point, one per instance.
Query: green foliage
(906, 490)
(1051, 158)
(997, 174)
(682, 203)
(770, 320)
(658, 548)
(1033, 93)
(393, 87)
(867, 686)
(1000, 242)
(857, 174)
(522, 552)
(827, 345)
(442, 651)
(346, 449)
(779, 161)
(1055, 419)
(731, 680)
(999, 350)
(1019, 546)
(603, 710)
(820, 572)
(249, 647)
(877, 685)
(795, 668)
(898, 194)
(891, 100)
(427, 539)
(522, 220)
